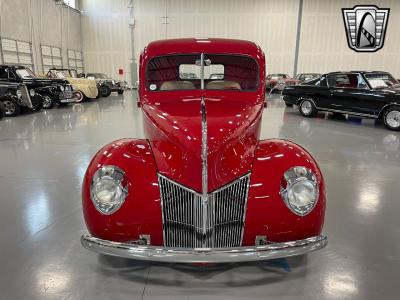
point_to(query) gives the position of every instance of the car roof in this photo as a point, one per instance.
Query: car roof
(199, 45)
(362, 72)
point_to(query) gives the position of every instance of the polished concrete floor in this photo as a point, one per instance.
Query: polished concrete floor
(43, 157)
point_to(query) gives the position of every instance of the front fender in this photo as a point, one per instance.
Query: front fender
(140, 214)
(267, 214)
(86, 90)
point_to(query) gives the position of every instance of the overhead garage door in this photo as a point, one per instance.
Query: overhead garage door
(51, 58)
(17, 52)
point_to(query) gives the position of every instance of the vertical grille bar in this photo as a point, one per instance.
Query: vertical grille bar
(191, 222)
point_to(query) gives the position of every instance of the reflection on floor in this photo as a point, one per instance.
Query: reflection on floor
(43, 157)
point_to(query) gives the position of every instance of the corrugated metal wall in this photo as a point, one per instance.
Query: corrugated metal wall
(41, 22)
(323, 44)
(270, 23)
(106, 37)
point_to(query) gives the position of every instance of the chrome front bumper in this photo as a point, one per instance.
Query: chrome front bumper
(204, 255)
(69, 100)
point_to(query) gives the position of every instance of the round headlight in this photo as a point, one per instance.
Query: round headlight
(62, 88)
(299, 190)
(32, 93)
(108, 189)
(18, 93)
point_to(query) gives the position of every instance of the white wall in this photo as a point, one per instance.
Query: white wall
(106, 37)
(41, 22)
(271, 24)
(323, 44)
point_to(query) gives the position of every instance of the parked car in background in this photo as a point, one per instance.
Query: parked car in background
(83, 88)
(107, 85)
(372, 94)
(306, 76)
(16, 97)
(2, 110)
(54, 91)
(279, 81)
(202, 186)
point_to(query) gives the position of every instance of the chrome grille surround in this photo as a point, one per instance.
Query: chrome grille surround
(26, 97)
(192, 220)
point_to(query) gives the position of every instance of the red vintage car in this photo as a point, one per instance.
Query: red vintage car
(279, 81)
(202, 187)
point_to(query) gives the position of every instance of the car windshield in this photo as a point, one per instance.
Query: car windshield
(73, 73)
(25, 73)
(58, 74)
(381, 80)
(219, 72)
(278, 76)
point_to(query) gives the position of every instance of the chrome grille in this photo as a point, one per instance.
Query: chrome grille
(26, 97)
(191, 220)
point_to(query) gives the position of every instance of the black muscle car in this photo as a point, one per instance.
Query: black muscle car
(372, 94)
(15, 97)
(54, 91)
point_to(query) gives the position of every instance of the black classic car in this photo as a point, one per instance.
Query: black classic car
(16, 97)
(302, 77)
(106, 84)
(2, 110)
(372, 94)
(54, 91)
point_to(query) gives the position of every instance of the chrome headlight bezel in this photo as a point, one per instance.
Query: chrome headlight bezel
(32, 93)
(302, 177)
(110, 175)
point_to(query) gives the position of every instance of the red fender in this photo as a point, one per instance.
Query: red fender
(267, 214)
(140, 214)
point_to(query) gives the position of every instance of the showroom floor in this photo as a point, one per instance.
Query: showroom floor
(43, 157)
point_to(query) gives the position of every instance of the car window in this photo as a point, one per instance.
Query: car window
(188, 71)
(278, 76)
(380, 80)
(221, 72)
(73, 73)
(25, 73)
(350, 80)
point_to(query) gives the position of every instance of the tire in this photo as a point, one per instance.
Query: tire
(307, 108)
(391, 118)
(105, 91)
(79, 96)
(11, 106)
(120, 92)
(288, 104)
(2, 110)
(38, 107)
(48, 101)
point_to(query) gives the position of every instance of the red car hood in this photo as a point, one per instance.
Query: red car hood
(173, 125)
